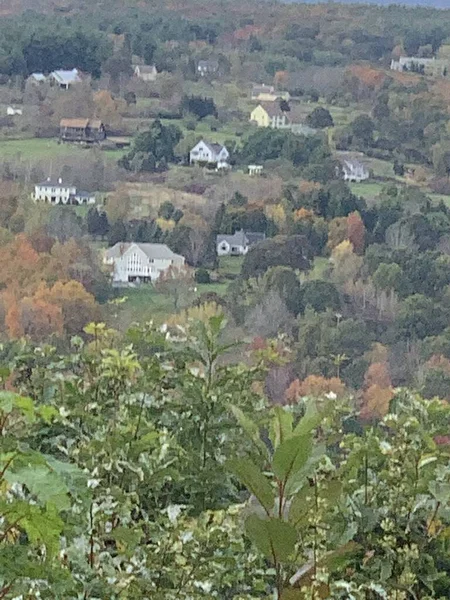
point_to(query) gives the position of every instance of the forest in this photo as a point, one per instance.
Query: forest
(269, 420)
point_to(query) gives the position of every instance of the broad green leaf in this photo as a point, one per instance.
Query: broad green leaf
(440, 490)
(301, 505)
(46, 485)
(427, 460)
(298, 479)
(250, 475)
(281, 426)
(250, 428)
(311, 419)
(291, 456)
(43, 527)
(273, 537)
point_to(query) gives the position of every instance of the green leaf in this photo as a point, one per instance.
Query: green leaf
(427, 460)
(298, 479)
(250, 475)
(291, 456)
(301, 505)
(274, 538)
(440, 490)
(43, 527)
(281, 426)
(47, 486)
(250, 428)
(311, 419)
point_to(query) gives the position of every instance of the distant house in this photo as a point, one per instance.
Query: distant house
(58, 192)
(132, 262)
(433, 67)
(255, 170)
(207, 67)
(146, 72)
(82, 130)
(12, 112)
(267, 93)
(355, 171)
(237, 244)
(206, 153)
(269, 114)
(65, 79)
(37, 78)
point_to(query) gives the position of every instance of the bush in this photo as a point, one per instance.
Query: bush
(202, 276)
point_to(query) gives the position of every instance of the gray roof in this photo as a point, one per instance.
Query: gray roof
(241, 238)
(146, 68)
(83, 194)
(151, 250)
(54, 183)
(66, 77)
(262, 88)
(208, 64)
(354, 165)
(215, 148)
(38, 76)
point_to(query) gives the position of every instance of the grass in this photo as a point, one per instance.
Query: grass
(368, 190)
(43, 148)
(230, 265)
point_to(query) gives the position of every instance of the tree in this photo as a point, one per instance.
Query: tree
(320, 295)
(154, 148)
(117, 233)
(198, 106)
(166, 210)
(177, 284)
(320, 118)
(290, 251)
(356, 232)
(97, 223)
(362, 129)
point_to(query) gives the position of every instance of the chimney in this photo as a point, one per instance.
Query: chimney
(48, 179)
(60, 180)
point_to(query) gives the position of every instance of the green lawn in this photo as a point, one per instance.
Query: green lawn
(44, 148)
(230, 265)
(145, 304)
(368, 189)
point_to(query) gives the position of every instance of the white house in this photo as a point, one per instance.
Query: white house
(146, 72)
(132, 262)
(37, 78)
(427, 66)
(207, 67)
(209, 154)
(255, 170)
(58, 192)
(65, 79)
(12, 112)
(355, 171)
(237, 244)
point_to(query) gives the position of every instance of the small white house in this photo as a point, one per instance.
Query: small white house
(237, 244)
(146, 72)
(65, 79)
(37, 78)
(136, 263)
(209, 154)
(354, 171)
(255, 170)
(12, 112)
(207, 67)
(58, 192)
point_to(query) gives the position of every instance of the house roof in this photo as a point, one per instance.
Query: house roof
(263, 88)
(66, 77)
(254, 237)
(241, 238)
(81, 123)
(83, 194)
(273, 109)
(212, 146)
(354, 165)
(150, 69)
(54, 183)
(213, 64)
(38, 76)
(151, 250)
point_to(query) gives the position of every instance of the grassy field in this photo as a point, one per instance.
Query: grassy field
(368, 189)
(43, 148)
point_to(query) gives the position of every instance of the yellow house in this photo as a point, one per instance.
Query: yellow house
(270, 115)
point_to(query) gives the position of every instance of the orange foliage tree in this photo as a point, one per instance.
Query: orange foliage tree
(356, 231)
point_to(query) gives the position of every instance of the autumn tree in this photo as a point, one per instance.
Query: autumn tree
(356, 232)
